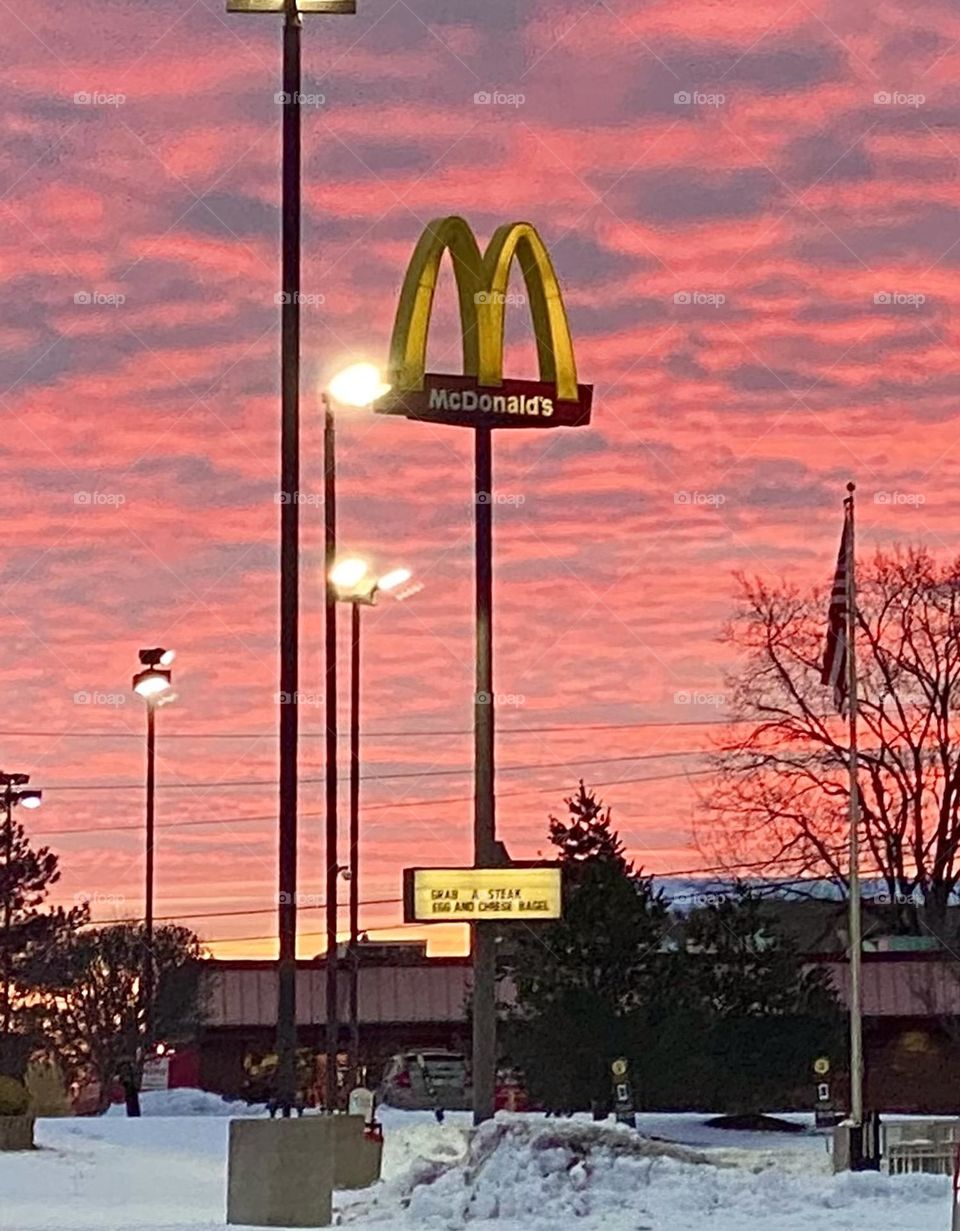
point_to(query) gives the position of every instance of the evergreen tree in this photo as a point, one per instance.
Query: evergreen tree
(30, 935)
(741, 963)
(753, 1015)
(579, 979)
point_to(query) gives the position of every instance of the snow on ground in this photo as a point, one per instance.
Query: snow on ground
(166, 1172)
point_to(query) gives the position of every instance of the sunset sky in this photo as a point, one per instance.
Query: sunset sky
(755, 214)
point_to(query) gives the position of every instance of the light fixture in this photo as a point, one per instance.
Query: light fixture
(349, 573)
(29, 799)
(361, 384)
(151, 682)
(396, 577)
(154, 679)
(157, 657)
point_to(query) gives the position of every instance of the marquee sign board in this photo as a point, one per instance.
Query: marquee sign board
(471, 895)
(480, 396)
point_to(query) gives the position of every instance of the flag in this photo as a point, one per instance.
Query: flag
(835, 655)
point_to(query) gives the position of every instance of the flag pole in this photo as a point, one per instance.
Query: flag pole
(855, 928)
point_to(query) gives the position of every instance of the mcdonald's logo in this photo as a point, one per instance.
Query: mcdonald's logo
(480, 396)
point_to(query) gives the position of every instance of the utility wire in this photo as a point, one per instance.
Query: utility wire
(570, 729)
(391, 777)
(380, 807)
(224, 914)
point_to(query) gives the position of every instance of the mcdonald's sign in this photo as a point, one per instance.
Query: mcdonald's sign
(481, 396)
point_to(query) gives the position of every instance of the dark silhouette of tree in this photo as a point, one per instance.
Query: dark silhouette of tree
(96, 1015)
(780, 803)
(578, 979)
(30, 934)
(741, 963)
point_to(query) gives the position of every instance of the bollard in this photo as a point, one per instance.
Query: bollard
(280, 1172)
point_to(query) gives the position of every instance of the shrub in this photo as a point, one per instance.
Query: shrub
(14, 1099)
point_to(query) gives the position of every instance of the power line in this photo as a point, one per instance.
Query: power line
(380, 807)
(569, 728)
(391, 777)
(225, 914)
(227, 940)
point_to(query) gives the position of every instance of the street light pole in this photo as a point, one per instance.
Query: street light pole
(290, 210)
(152, 682)
(330, 665)
(289, 563)
(355, 843)
(359, 385)
(484, 814)
(7, 898)
(148, 968)
(14, 792)
(353, 582)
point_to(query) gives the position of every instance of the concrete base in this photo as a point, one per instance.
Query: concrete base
(856, 1147)
(280, 1172)
(16, 1132)
(356, 1160)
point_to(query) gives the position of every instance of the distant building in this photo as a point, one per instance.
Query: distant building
(911, 1001)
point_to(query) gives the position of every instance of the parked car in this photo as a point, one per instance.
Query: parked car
(427, 1080)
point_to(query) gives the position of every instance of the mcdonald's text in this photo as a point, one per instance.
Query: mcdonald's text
(464, 402)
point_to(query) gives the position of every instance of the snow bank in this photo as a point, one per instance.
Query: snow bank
(187, 1103)
(536, 1175)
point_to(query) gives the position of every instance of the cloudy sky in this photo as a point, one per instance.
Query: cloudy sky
(755, 214)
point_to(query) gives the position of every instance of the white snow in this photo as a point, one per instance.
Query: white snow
(166, 1172)
(187, 1103)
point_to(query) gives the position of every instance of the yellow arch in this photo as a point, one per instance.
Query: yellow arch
(482, 283)
(408, 345)
(550, 325)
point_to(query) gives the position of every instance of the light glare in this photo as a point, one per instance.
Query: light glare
(396, 577)
(347, 574)
(151, 684)
(358, 385)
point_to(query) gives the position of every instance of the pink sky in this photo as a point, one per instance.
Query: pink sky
(803, 202)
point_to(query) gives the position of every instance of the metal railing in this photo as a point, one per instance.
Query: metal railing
(925, 1146)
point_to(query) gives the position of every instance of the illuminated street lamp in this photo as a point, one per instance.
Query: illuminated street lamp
(358, 386)
(15, 792)
(153, 682)
(357, 584)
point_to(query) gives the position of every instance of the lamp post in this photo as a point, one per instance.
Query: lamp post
(358, 386)
(14, 792)
(291, 99)
(152, 682)
(356, 584)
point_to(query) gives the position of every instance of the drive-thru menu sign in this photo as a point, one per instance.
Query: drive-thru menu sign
(472, 895)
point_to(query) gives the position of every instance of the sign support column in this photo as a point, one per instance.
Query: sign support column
(484, 807)
(481, 398)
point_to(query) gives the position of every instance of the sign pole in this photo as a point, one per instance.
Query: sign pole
(484, 814)
(482, 398)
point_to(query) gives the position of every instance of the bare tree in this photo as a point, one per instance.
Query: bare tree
(781, 795)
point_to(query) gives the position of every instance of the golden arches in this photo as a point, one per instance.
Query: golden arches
(482, 283)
